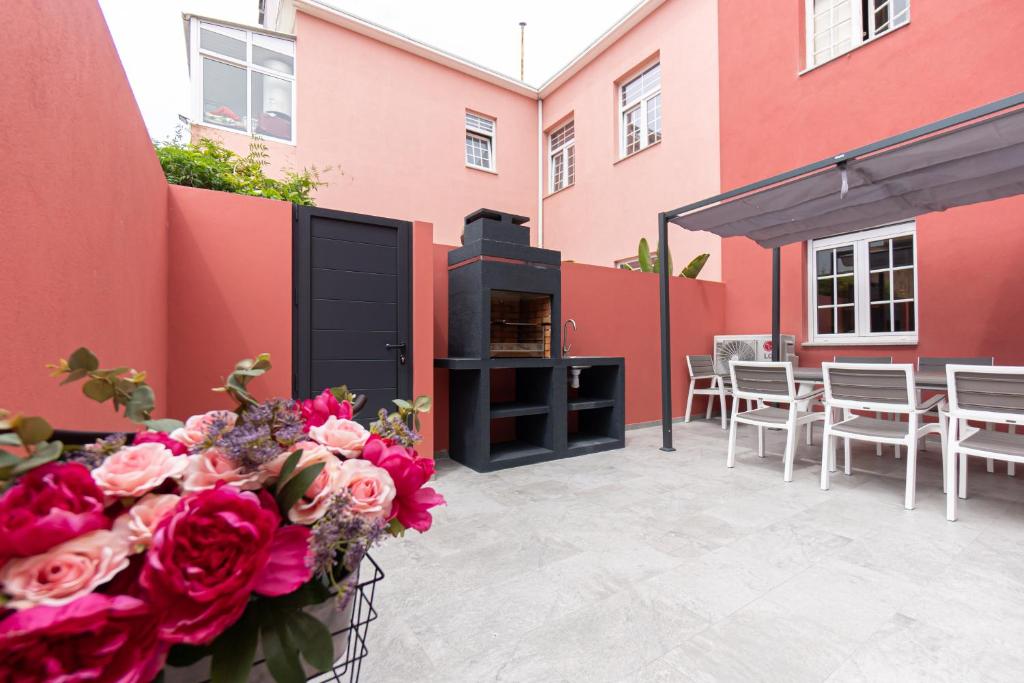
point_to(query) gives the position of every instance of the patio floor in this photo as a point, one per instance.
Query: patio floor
(637, 565)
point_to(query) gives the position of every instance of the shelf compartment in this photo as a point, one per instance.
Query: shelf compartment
(595, 442)
(517, 409)
(589, 403)
(517, 450)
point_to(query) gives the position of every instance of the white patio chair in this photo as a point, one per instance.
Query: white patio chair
(870, 359)
(940, 363)
(993, 395)
(880, 389)
(768, 383)
(703, 368)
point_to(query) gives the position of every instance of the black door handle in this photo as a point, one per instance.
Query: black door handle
(401, 347)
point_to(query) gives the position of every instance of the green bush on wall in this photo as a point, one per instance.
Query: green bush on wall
(209, 165)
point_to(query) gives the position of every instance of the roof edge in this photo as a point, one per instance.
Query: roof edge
(387, 36)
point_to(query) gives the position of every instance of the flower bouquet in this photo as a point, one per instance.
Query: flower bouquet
(208, 544)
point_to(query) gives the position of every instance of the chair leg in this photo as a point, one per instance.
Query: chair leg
(944, 445)
(846, 457)
(963, 476)
(792, 434)
(878, 446)
(731, 458)
(990, 465)
(760, 442)
(911, 469)
(721, 405)
(689, 402)
(810, 437)
(711, 406)
(950, 476)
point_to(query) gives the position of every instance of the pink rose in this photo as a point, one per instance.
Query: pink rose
(344, 436)
(66, 571)
(136, 470)
(211, 466)
(197, 427)
(49, 505)
(108, 638)
(313, 503)
(409, 472)
(371, 487)
(138, 524)
(211, 552)
(173, 446)
(315, 411)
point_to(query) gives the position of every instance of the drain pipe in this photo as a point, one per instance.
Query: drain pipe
(540, 172)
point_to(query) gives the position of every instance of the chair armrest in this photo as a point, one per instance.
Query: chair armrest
(810, 394)
(930, 403)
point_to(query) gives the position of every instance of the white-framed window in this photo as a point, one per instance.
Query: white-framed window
(838, 26)
(633, 262)
(562, 156)
(480, 138)
(243, 80)
(640, 111)
(863, 286)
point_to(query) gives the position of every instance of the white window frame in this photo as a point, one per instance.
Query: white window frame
(862, 304)
(856, 36)
(491, 136)
(641, 102)
(561, 151)
(198, 54)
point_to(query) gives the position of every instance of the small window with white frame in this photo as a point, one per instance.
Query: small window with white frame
(480, 134)
(863, 287)
(562, 156)
(640, 111)
(243, 80)
(837, 26)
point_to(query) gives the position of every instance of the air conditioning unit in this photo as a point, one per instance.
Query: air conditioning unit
(753, 347)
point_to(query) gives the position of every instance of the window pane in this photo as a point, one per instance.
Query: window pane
(903, 283)
(879, 285)
(654, 119)
(825, 325)
(631, 130)
(903, 316)
(824, 260)
(572, 164)
(880, 318)
(272, 106)
(273, 53)
(632, 90)
(878, 254)
(844, 260)
(845, 320)
(900, 13)
(903, 251)
(652, 79)
(557, 172)
(478, 150)
(844, 289)
(225, 45)
(826, 287)
(224, 94)
(882, 18)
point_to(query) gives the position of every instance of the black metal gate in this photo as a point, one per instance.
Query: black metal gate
(352, 321)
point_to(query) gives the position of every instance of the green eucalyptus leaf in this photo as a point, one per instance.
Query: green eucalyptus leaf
(402, 403)
(422, 403)
(282, 658)
(74, 376)
(313, 639)
(165, 425)
(44, 453)
(98, 390)
(9, 439)
(32, 430)
(234, 651)
(292, 491)
(290, 463)
(83, 359)
(141, 403)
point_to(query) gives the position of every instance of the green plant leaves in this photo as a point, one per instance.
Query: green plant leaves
(98, 390)
(165, 425)
(32, 430)
(644, 256)
(237, 384)
(312, 638)
(291, 492)
(12, 466)
(288, 467)
(422, 404)
(234, 650)
(282, 655)
(692, 270)
(83, 359)
(141, 403)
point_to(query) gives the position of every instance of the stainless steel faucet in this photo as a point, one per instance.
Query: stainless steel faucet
(565, 336)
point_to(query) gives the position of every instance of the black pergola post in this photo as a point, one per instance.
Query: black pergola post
(666, 340)
(776, 296)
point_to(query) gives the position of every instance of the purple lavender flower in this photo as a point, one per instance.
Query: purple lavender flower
(92, 455)
(262, 432)
(343, 538)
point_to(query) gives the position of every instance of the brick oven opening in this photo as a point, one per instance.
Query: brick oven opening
(520, 325)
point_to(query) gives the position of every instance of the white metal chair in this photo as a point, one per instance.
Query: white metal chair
(870, 359)
(993, 395)
(939, 363)
(768, 383)
(880, 389)
(703, 368)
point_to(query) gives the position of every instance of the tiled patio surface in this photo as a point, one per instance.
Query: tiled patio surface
(637, 565)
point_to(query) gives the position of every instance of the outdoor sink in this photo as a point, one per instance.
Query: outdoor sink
(574, 373)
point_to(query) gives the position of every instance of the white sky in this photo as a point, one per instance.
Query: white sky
(150, 38)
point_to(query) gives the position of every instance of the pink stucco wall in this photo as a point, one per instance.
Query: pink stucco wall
(391, 126)
(616, 202)
(83, 220)
(949, 58)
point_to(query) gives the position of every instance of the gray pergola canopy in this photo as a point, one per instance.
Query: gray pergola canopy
(976, 162)
(973, 157)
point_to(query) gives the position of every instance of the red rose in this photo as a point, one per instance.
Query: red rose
(214, 549)
(315, 411)
(49, 505)
(109, 638)
(176, 447)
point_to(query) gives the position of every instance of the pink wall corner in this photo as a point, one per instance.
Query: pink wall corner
(616, 202)
(84, 215)
(229, 296)
(423, 325)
